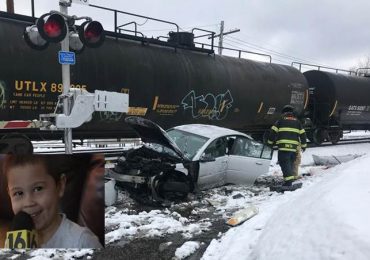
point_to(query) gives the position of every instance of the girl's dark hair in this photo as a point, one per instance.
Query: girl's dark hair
(55, 165)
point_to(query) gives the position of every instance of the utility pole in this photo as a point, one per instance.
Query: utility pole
(221, 35)
(10, 6)
(66, 80)
(221, 38)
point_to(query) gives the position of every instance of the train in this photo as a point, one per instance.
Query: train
(174, 82)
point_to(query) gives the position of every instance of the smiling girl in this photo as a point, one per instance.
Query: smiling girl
(36, 187)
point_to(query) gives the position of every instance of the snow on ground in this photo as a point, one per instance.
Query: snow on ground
(41, 254)
(326, 219)
(186, 249)
(356, 134)
(155, 223)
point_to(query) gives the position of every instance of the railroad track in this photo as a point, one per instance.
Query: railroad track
(88, 143)
(343, 142)
(100, 145)
(79, 150)
(112, 149)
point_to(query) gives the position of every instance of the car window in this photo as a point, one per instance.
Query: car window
(217, 148)
(267, 152)
(188, 143)
(238, 145)
(243, 146)
(253, 148)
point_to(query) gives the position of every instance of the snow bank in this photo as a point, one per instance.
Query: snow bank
(327, 220)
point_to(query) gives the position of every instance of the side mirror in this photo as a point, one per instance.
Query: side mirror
(207, 158)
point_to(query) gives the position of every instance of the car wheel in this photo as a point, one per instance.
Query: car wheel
(173, 185)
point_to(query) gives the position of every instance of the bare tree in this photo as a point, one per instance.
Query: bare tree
(363, 65)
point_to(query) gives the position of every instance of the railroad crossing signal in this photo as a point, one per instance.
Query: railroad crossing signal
(57, 27)
(53, 27)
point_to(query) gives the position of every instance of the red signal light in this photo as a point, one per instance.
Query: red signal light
(92, 34)
(52, 28)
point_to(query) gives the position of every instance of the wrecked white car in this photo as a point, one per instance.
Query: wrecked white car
(186, 158)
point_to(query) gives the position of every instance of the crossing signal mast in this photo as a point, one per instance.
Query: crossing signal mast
(55, 27)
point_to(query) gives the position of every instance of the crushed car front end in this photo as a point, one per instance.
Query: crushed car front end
(152, 170)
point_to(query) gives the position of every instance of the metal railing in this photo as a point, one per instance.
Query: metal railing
(364, 73)
(319, 67)
(126, 30)
(208, 33)
(239, 51)
(116, 12)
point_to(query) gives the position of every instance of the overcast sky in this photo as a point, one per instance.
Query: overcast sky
(329, 32)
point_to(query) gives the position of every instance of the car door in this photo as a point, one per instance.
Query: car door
(213, 164)
(248, 159)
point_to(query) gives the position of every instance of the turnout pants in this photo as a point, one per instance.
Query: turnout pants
(286, 161)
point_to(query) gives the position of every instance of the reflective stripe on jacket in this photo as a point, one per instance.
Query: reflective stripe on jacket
(287, 133)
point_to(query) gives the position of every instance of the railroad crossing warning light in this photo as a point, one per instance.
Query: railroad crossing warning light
(48, 28)
(91, 34)
(52, 27)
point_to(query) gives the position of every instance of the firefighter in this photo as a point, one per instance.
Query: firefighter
(288, 134)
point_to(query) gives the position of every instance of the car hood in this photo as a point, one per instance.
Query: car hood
(150, 132)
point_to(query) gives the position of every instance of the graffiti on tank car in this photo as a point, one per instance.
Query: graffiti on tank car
(213, 107)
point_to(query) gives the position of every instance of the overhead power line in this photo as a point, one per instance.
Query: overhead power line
(227, 44)
(261, 48)
(277, 53)
(288, 57)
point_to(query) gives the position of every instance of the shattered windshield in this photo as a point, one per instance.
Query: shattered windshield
(163, 149)
(188, 143)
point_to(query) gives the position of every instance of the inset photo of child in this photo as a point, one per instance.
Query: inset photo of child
(52, 201)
